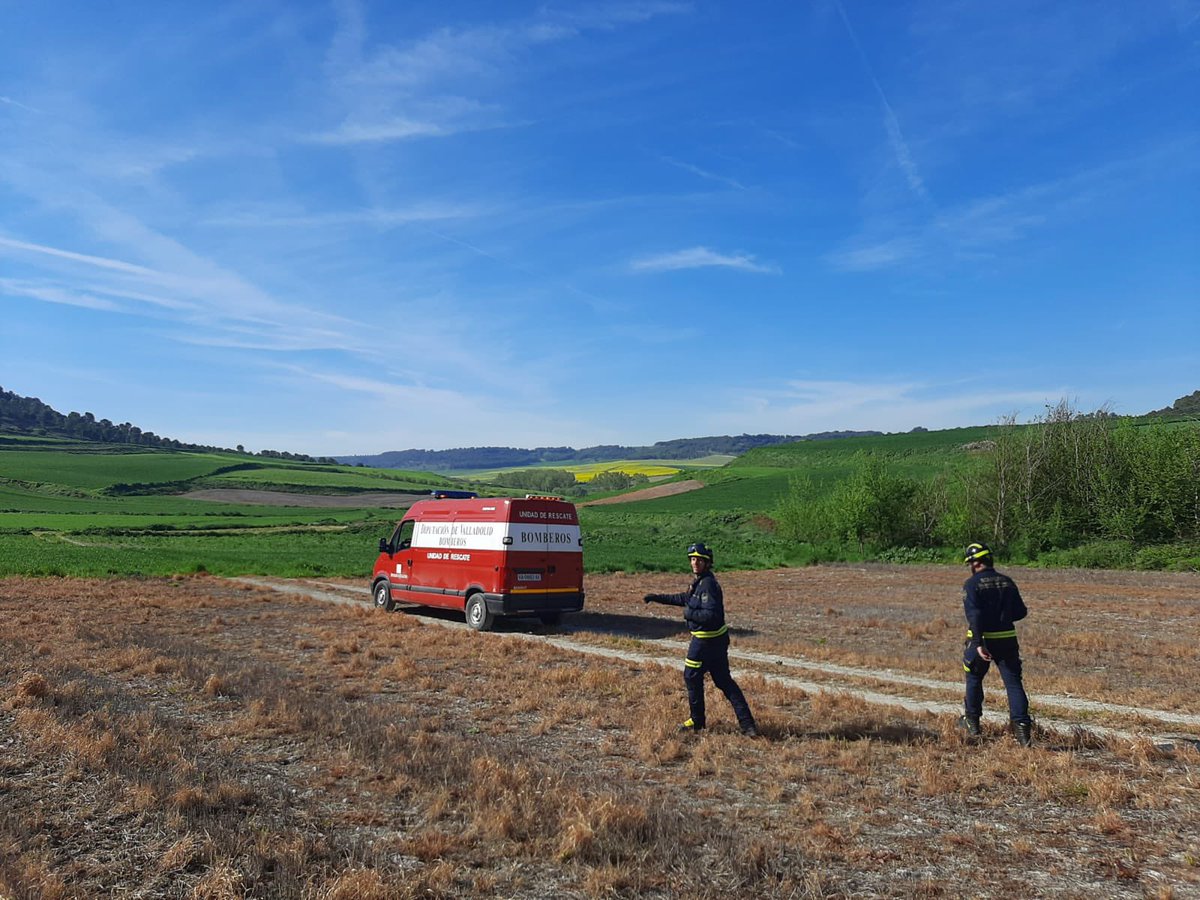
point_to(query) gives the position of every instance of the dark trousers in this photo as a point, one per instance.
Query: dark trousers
(1007, 656)
(712, 655)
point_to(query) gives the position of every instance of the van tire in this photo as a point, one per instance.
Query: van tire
(476, 611)
(383, 596)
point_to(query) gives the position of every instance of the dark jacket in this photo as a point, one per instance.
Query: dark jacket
(992, 604)
(703, 604)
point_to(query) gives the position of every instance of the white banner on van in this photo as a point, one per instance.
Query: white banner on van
(491, 535)
(555, 538)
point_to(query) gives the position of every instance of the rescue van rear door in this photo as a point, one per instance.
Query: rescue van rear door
(545, 549)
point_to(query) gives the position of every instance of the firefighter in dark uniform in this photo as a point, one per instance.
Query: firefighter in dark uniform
(992, 604)
(704, 611)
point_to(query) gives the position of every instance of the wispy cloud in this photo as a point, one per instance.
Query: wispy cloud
(984, 225)
(99, 261)
(55, 294)
(900, 149)
(700, 258)
(609, 15)
(704, 173)
(88, 294)
(443, 117)
(398, 129)
(876, 256)
(377, 218)
(432, 87)
(211, 302)
(462, 416)
(806, 406)
(9, 101)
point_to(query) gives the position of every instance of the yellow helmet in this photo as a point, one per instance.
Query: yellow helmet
(977, 551)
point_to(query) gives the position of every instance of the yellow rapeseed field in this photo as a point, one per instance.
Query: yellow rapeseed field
(632, 467)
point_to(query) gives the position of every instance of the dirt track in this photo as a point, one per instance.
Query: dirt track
(650, 493)
(778, 646)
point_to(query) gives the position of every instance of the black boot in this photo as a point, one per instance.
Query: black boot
(1023, 732)
(749, 729)
(970, 724)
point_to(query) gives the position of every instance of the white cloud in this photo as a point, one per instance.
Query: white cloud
(896, 140)
(379, 218)
(429, 87)
(397, 129)
(984, 224)
(53, 294)
(213, 301)
(704, 173)
(9, 101)
(99, 261)
(454, 418)
(876, 256)
(699, 258)
(809, 406)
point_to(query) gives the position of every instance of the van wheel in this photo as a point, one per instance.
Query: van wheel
(477, 613)
(383, 596)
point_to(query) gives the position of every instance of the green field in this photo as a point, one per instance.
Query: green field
(95, 470)
(328, 478)
(73, 508)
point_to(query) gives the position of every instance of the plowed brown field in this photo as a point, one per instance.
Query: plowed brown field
(199, 737)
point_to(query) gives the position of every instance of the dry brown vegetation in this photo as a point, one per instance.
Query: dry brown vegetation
(194, 737)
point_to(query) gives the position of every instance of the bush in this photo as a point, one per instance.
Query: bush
(872, 507)
(1092, 555)
(1174, 557)
(546, 481)
(612, 480)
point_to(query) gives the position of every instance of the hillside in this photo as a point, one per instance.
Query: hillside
(29, 416)
(1184, 406)
(479, 458)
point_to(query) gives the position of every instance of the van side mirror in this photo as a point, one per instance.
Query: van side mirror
(384, 546)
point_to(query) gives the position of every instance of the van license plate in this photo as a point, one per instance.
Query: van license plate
(529, 576)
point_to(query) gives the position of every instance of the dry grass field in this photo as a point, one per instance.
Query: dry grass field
(199, 737)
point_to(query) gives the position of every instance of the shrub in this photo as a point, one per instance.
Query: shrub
(1092, 555)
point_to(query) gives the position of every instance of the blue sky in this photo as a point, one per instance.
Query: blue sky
(350, 227)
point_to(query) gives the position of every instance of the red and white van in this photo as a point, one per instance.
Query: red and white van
(488, 556)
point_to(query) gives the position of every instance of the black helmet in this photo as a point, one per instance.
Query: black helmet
(700, 550)
(978, 552)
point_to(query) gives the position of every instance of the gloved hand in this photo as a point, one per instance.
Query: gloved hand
(650, 598)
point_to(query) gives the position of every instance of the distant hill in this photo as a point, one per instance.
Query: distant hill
(30, 417)
(1184, 406)
(474, 458)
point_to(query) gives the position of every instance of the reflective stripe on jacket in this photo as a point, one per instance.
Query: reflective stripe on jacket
(992, 604)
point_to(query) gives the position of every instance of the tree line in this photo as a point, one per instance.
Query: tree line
(1065, 481)
(30, 416)
(563, 483)
(466, 458)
